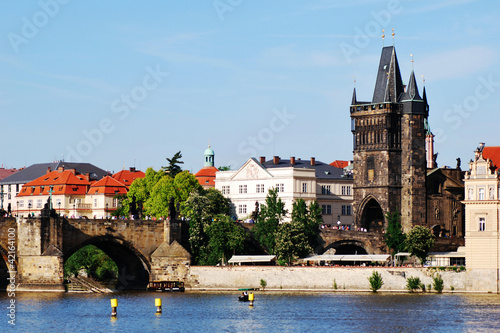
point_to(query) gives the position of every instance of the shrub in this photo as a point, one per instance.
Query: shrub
(412, 283)
(438, 283)
(375, 281)
(335, 284)
(263, 283)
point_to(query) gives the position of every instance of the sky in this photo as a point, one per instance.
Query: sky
(129, 83)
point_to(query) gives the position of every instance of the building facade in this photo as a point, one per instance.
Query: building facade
(482, 221)
(294, 178)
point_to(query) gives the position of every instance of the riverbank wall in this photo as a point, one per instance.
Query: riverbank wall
(326, 278)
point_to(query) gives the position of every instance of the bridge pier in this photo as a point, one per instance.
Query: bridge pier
(40, 258)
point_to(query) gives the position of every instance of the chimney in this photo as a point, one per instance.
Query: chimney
(87, 176)
(292, 160)
(48, 170)
(276, 159)
(132, 169)
(313, 161)
(262, 159)
(429, 151)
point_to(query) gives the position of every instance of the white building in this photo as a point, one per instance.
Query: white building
(310, 180)
(482, 219)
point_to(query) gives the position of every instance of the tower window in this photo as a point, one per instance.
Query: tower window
(482, 224)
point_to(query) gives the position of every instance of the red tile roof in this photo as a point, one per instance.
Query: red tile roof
(108, 185)
(206, 176)
(6, 172)
(127, 177)
(62, 182)
(339, 164)
(493, 153)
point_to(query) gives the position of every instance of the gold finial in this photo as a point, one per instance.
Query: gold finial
(411, 55)
(423, 79)
(392, 36)
(354, 81)
(383, 36)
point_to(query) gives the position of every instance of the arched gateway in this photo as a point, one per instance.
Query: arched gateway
(372, 217)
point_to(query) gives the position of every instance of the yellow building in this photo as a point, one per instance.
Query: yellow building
(482, 220)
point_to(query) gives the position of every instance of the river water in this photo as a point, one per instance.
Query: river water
(272, 312)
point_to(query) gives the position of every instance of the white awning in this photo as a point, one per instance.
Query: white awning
(252, 259)
(349, 257)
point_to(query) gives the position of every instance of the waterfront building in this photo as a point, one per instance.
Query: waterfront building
(12, 184)
(482, 220)
(127, 177)
(293, 178)
(206, 175)
(104, 196)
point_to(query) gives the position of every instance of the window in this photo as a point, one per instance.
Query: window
(326, 189)
(243, 189)
(481, 193)
(482, 224)
(17, 188)
(346, 190)
(260, 188)
(242, 209)
(280, 187)
(346, 209)
(95, 202)
(225, 189)
(115, 202)
(39, 203)
(326, 209)
(58, 202)
(304, 187)
(21, 204)
(8, 188)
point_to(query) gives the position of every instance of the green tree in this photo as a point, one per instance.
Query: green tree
(419, 241)
(224, 168)
(225, 238)
(291, 242)
(271, 215)
(376, 281)
(178, 188)
(413, 283)
(173, 167)
(141, 188)
(201, 209)
(438, 284)
(394, 237)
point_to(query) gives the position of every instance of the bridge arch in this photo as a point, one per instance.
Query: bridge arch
(4, 269)
(371, 214)
(133, 267)
(348, 246)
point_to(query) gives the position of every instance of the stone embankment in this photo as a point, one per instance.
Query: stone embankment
(318, 278)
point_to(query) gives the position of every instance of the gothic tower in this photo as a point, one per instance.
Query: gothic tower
(389, 149)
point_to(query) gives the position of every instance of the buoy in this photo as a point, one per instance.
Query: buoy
(250, 298)
(158, 305)
(114, 305)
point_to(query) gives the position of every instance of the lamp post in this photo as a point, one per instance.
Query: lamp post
(17, 207)
(74, 211)
(338, 221)
(29, 209)
(106, 212)
(59, 204)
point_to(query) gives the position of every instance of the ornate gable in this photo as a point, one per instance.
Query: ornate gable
(251, 170)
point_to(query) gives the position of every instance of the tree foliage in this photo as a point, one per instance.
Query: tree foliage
(212, 234)
(376, 281)
(271, 215)
(394, 237)
(419, 241)
(173, 167)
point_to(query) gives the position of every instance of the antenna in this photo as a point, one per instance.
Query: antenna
(354, 81)
(392, 36)
(423, 80)
(383, 37)
(411, 55)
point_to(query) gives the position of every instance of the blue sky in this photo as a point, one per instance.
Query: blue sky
(123, 83)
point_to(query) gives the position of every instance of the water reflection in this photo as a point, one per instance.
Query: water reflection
(272, 312)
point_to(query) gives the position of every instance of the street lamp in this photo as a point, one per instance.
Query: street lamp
(17, 207)
(59, 204)
(106, 212)
(338, 220)
(29, 209)
(74, 211)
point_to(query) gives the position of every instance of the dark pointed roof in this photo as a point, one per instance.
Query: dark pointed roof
(354, 102)
(411, 90)
(389, 85)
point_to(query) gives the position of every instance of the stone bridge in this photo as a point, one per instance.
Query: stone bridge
(38, 247)
(352, 242)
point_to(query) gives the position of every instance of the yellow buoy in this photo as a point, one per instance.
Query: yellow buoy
(114, 305)
(251, 298)
(158, 305)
